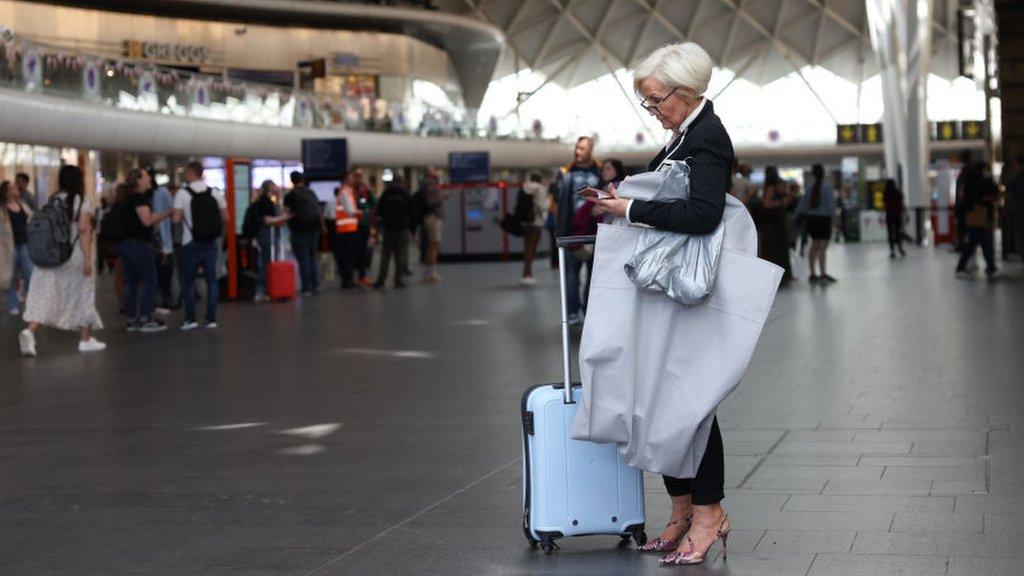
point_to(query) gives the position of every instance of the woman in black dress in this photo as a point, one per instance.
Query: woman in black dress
(774, 238)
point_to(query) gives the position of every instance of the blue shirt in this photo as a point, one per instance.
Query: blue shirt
(826, 207)
(162, 202)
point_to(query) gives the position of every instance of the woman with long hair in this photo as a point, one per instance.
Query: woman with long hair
(774, 242)
(538, 194)
(819, 206)
(14, 217)
(64, 297)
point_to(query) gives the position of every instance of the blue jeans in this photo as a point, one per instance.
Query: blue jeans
(304, 246)
(196, 254)
(139, 270)
(976, 237)
(263, 239)
(23, 264)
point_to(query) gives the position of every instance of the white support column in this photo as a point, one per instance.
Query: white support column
(901, 36)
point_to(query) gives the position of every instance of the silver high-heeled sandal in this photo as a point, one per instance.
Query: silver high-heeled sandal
(692, 556)
(660, 545)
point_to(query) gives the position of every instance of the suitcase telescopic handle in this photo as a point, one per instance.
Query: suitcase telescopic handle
(570, 241)
(564, 242)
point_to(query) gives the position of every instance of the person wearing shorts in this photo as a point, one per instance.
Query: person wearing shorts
(819, 204)
(433, 225)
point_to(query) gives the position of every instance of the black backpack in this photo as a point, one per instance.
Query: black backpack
(307, 208)
(116, 223)
(207, 223)
(524, 207)
(251, 221)
(511, 224)
(50, 240)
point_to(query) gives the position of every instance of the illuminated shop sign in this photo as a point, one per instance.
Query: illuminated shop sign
(166, 52)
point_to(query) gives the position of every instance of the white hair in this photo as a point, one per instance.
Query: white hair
(685, 64)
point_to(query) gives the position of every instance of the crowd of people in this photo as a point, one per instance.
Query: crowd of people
(348, 227)
(159, 243)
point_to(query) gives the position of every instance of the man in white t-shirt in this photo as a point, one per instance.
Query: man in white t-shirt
(202, 211)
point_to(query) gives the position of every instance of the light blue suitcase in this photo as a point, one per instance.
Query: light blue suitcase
(570, 487)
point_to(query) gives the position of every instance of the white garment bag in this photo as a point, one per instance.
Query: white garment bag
(654, 370)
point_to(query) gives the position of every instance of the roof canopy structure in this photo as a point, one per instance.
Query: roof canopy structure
(575, 41)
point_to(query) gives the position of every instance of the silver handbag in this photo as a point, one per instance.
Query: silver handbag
(682, 266)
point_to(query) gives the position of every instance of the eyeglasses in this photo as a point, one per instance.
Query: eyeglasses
(653, 107)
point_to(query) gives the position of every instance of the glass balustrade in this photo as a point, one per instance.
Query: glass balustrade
(145, 87)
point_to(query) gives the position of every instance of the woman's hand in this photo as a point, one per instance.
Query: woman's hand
(612, 204)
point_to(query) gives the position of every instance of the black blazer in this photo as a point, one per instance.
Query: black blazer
(708, 150)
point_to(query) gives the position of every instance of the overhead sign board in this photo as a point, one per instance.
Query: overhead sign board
(466, 167)
(947, 130)
(324, 158)
(973, 129)
(871, 133)
(847, 134)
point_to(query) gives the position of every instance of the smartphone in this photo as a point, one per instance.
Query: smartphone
(589, 192)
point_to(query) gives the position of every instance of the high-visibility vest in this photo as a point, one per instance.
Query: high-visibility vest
(346, 222)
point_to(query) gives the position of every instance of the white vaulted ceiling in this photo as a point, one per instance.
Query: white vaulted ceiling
(574, 41)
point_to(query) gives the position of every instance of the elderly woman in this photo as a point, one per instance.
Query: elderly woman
(671, 82)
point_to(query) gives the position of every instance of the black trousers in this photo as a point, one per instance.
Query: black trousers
(345, 256)
(395, 246)
(894, 227)
(708, 487)
(164, 279)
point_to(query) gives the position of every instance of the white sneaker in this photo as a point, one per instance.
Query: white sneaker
(211, 325)
(27, 342)
(150, 326)
(13, 312)
(528, 281)
(162, 311)
(91, 345)
(186, 326)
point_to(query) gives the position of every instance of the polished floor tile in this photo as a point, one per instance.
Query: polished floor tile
(878, 431)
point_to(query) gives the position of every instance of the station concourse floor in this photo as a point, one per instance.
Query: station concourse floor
(879, 430)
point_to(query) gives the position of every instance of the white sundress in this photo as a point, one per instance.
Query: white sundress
(64, 297)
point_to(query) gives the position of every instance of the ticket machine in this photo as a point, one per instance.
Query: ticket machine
(473, 213)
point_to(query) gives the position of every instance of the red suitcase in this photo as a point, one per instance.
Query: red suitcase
(280, 276)
(281, 280)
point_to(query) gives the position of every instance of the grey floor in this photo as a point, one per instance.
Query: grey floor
(880, 430)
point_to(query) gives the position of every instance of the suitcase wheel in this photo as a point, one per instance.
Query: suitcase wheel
(548, 546)
(640, 537)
